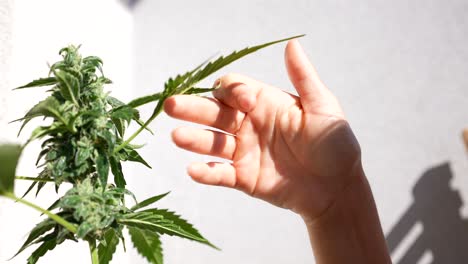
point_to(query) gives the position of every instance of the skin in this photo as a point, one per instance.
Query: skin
(295, 152)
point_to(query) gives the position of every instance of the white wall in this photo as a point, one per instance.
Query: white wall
(32, 33)
(398, 67)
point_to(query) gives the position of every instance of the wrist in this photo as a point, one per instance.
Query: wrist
(349, 230)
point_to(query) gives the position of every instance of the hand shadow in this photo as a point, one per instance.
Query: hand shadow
(436, 207)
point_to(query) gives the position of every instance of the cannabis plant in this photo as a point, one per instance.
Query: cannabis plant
(83, 148)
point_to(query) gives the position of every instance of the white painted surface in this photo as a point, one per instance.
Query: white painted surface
(399, 69)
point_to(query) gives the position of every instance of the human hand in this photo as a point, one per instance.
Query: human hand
(296, 152)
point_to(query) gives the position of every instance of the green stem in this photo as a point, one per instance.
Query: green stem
(94, 251)
(34, 179)
(56, 218)
(156, 112)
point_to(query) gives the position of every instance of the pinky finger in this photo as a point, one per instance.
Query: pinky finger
(213, 173)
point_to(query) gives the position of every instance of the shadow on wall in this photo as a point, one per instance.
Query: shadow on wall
(444, 234)
(130, 3)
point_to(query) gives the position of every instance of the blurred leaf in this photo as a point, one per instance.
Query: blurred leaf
(9, 156)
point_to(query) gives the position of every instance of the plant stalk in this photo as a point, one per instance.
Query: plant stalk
(69, 226)
(34, 179)
(94, 251)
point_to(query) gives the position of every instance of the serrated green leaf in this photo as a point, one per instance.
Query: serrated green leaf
(40, 229)
(102, 168)
(133, 155)
(43, 131)
(84, 229)
(115, 103)
(148, 201)
(120, 125)
(147, 244)
(50, 242)
(43, 175)
(120, 192)
(221, 62)
(116, 169)
(124, 112)
(109, 138)
(69, 86)
(9, 156)
(106, 248)
(92, 62)
(54, 205)
(144, 100)
(164, 222)
(46, 108)
(82, 155)
(39, 82)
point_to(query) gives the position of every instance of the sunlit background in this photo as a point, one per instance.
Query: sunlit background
(399, 68)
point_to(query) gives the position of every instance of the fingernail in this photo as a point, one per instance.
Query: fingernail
(217, 83)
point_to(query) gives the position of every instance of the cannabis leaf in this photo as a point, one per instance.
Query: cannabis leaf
(108, 246)
(147, 244)
(39, 82)
(40, 229)
(69, 86)
(144, 100)
(164, 222)
(148, 201)
(214, 66)
(49, 242)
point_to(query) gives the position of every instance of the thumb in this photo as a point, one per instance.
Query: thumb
(314, 95)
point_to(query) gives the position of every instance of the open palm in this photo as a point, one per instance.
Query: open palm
(296, 152)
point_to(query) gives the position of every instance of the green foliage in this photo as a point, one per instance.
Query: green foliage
(163, 221)
(147, 244)
(108, 246)
(40, 82)
(9, 156)
(84, 142)
(148, 201)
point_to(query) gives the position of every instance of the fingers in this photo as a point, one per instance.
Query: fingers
(205, 111)
(238, 92)
(213, 173)
(313, 93)
(205, 142)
